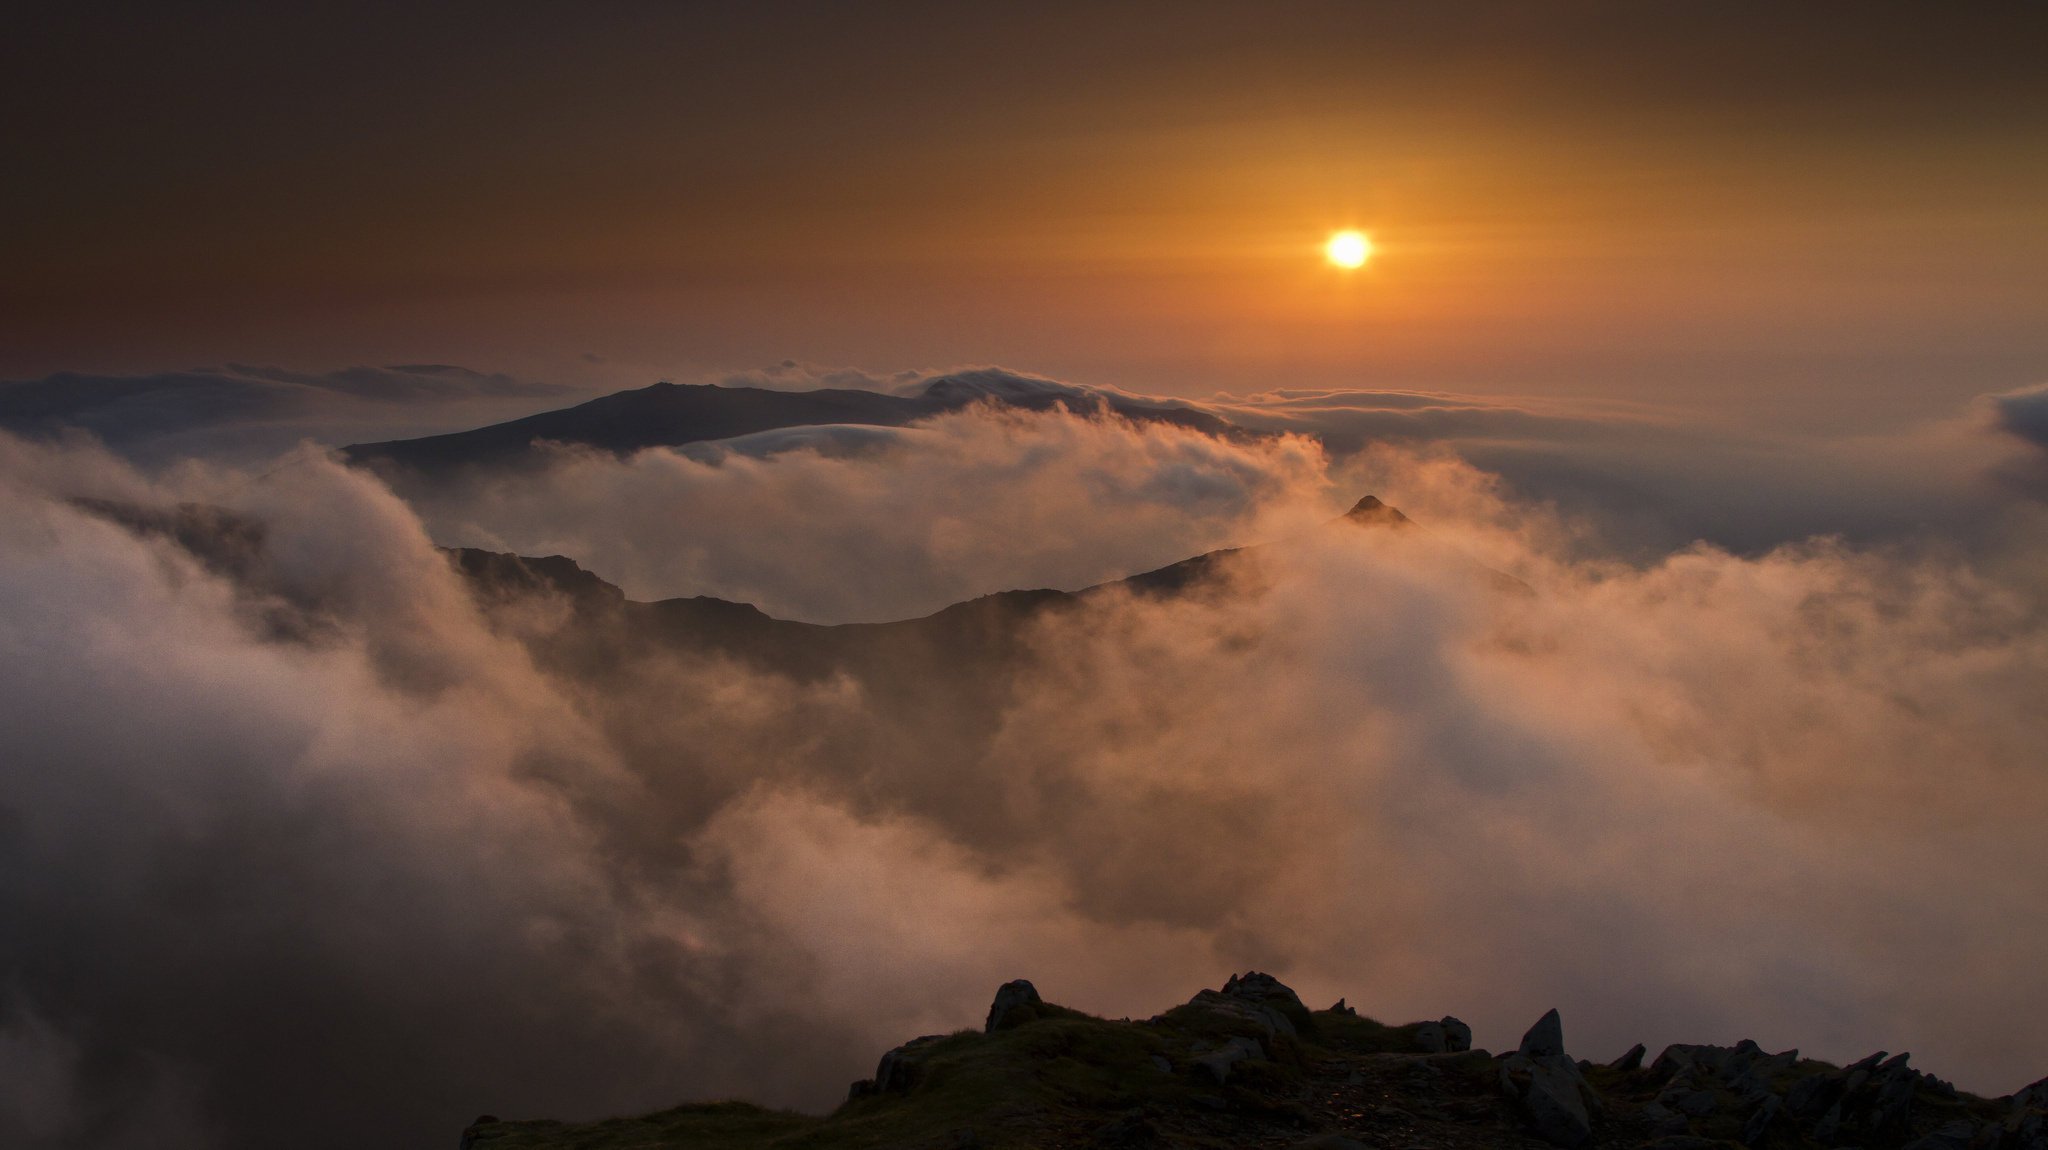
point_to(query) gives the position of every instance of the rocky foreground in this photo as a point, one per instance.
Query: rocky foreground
(1250, 1066)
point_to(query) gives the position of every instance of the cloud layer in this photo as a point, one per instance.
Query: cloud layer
(314, 842)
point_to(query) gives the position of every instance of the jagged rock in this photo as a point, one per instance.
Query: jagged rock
(1430, 1036)
(1265, 990)
(1545, 1038)
(1760, 1121)
(1956, 1135)
(1341, 1008)
(899, 1070)
(1810, 1097)
(1661, 1119)
(1258, 999)
(1010, 996)
(1696, 1103)
(1218, 1062)
(1556, 1106)
(1633, 1060)
(1457, 1035)
(1544, 1081)
(469, 1134)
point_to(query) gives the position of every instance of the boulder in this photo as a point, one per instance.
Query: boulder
(1457, 1035)
(1545, 1038)
(1010, 996)
(1546, 1085)
(899, 1071)
(1631, 1061)
(1555, 1105)
(1445, 1036)
(1218, 1062)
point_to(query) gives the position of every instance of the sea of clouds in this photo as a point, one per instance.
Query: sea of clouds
(312, 846)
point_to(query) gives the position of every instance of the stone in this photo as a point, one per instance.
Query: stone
(469, 1135)
(1546, 1082)
(1555, 1108)
(1218, 1062)
(1009, 997)
(1661, 1119)
(1759, 1122)
(1545, 1038)
(1329, 1142)
(1811, 1096)
(1956, 1135)
(1457, 1035)
(1430, 1037)
(1631, 1061)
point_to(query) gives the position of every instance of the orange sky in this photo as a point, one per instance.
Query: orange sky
(1838, 212)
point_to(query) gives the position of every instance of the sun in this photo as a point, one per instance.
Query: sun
(1348, 249)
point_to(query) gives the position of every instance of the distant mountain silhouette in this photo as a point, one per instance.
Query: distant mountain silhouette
(671, 415)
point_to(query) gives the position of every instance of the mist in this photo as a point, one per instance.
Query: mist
(319, 840)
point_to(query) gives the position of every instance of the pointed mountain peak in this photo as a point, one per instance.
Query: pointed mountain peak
(1369, 511)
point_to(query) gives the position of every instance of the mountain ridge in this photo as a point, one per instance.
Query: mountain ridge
(1251, 1066)
(673, 415)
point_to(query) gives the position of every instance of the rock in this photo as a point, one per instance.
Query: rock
(1683, 1142)
(1661, 1119)
(1760, 1121)
(1811, 1096)
(1696, 1103)
(1542, 1078)
(1262, 988)
(1956, 1135)
(1457, 1035)
(1260, 1000)
(1340, 1008)
(2033, 1096)
(469, 1133)
(899, 1071)
(1545, 1038)
(1010, 996)
(1219, 1062)
(1554, 1106)
(1430, 1037)
(1162, 1065)
(1631, 1061)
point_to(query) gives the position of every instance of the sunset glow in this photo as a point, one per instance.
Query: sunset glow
(1348, 249)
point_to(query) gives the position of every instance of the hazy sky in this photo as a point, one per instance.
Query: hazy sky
(1827, 213)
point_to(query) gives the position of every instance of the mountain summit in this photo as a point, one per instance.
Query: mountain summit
(1250, 1066)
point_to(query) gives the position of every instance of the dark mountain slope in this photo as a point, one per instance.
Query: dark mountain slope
(670, 415)
(1251, 1066)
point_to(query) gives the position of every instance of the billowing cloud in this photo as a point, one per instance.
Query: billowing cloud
(316, 832)
(963, 505)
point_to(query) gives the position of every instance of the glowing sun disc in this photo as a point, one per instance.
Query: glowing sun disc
(1348, 249)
